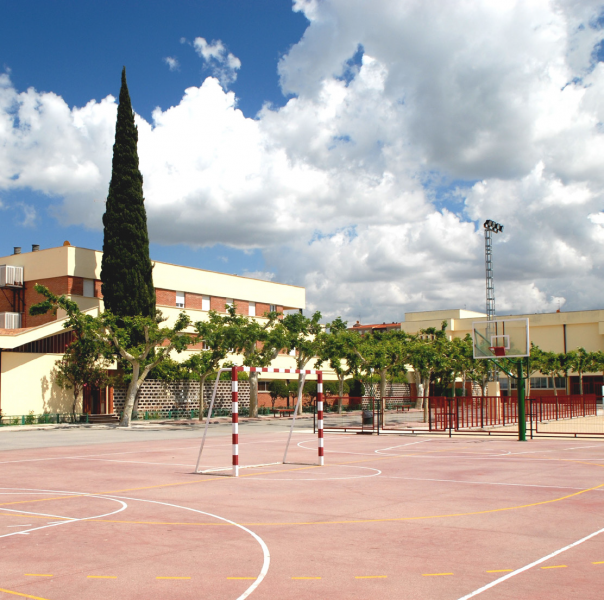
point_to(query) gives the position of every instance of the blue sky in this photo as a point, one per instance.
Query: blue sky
(353, 148)
(76, 49)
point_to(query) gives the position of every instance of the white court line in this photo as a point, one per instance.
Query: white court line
(556, 487)
(84, 456)
(400, 446)
(124, 506)
(265, 552)
(377, 472)
(529, 566)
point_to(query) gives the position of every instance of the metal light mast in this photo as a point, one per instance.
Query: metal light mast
(490, 227)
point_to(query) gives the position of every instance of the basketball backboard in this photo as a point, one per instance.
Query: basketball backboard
(501, 338)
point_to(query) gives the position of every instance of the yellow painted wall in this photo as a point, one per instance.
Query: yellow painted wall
(27, 384)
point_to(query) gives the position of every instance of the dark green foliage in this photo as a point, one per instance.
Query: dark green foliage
(126, 270)
(278, 389)
(357, 389)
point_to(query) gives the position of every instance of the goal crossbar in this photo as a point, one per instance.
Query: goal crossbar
(235, 417)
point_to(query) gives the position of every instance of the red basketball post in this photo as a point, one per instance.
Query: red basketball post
(235, 418)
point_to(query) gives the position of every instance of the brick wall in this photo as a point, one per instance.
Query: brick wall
(218, 304)
(165, 297)
(193, 300)
(262, 308)
(162, 396)
(57, 285)
(97, 288)
(242, 307)
(77, 286)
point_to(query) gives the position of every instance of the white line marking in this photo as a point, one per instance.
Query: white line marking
(323, 477)
(265, 552)
(124, 506)
(529, 566)
(25, 525)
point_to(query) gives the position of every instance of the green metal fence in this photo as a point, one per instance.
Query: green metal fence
(42, 419)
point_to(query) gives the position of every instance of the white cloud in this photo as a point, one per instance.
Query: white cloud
(223, 64)
(172, 63)
(29, 215)
(341, 189)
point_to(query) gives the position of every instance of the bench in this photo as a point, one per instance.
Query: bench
(283, 411)
(405, 406)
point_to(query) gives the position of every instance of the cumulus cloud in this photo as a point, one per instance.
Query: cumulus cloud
(172, 63)
(223, 64)
(410, 123)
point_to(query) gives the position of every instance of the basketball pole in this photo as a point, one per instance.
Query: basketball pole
(521, 402)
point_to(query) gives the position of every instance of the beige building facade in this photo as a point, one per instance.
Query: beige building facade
(30, 346)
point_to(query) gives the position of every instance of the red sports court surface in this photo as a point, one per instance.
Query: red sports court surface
(387, 517)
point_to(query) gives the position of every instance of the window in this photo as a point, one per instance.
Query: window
(88, 288)
(205, 303)
(252, 311)
(273, 308)
(228, 302)
(180, 299)
(263, 386)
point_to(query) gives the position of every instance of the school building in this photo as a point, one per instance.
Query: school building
(30, 346)
(552, 332)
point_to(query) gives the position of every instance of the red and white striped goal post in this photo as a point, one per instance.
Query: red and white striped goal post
(235, 413)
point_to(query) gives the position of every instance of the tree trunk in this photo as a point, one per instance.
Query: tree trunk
(463, 384)
(76, 395)
(383, 373)
(340, 392)
(202, 386)
(581, 383)
(253, 395)
(554, 385)
(301, 380)
(419, 390)
(131, 394)
(425, 400)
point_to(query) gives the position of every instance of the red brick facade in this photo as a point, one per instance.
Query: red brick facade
(218, 304)
(165, 297)
(193, 301)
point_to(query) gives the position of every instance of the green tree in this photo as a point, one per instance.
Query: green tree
(126, 269)
(302, 337)
(259, 343)
(139, 341)
(580, 361)
(215, 333)
(335, 347)
(277, 389)
(85, 361)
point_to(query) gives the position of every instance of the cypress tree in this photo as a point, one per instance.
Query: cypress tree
(126, 270)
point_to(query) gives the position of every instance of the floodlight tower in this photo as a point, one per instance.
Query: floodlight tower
(490, 227)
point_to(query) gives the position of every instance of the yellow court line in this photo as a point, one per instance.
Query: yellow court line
(600, 562)
(435, 574)
(371, 576)
(102, 576)
(22, 595)
(501, 571)
(306, 578)
(555, 567)
(357, 521)
(242, 578)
